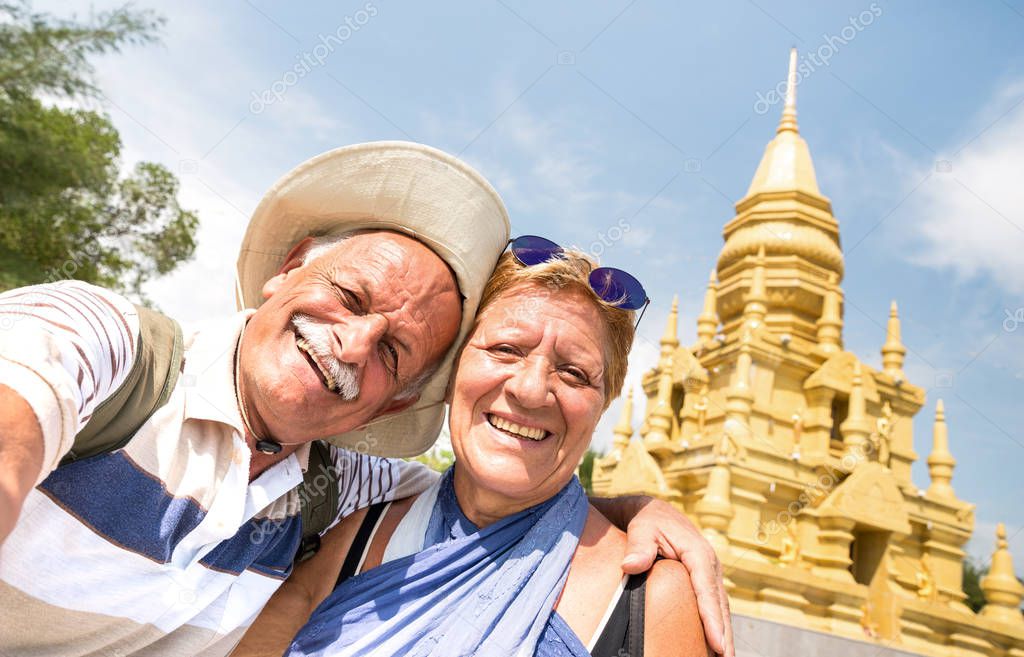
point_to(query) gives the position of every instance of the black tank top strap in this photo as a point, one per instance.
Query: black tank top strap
(360, 542)
(624, 631)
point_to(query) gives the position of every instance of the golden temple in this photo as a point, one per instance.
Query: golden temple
(794, 456)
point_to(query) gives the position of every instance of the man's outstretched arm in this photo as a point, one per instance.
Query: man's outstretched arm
(654, 527)
(21, 456)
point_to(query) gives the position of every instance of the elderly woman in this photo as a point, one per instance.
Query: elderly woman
(503, 555)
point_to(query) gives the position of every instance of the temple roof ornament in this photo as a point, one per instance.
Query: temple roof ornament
(830, 324)
(623, 431)
(670, 338)
(1002, 590)
(707, 321)
(941, 461)
(893, 350)
(786, 164)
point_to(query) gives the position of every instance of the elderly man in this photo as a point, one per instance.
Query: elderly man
(170, 541)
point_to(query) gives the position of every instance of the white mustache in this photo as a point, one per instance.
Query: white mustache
(318, 338)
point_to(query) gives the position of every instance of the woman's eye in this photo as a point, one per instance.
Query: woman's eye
(577, 374)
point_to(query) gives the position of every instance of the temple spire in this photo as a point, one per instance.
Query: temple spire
(940, 461)
(670, 339)
(788, 122)
(830, 324)
(755, 307)
(1002, 590)
(659, 422)
(623, 431)
(786, 165)
(739, 397)
(707, 321)
(893, 350)
(857, 428)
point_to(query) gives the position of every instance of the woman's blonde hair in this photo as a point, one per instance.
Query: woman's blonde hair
(570, 271)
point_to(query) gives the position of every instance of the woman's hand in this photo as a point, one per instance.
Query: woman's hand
(654, 527)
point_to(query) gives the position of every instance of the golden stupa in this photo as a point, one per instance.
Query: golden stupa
(794, 456)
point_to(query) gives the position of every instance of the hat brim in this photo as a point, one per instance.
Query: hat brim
(400, 186)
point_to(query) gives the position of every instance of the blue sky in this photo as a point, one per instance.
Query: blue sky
(588, 114)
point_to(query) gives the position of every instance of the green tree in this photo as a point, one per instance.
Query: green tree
(972, 574)
(586, 470)
(66, 211)
(436, 458)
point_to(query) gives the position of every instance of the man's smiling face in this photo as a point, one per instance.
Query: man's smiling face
(339, 339)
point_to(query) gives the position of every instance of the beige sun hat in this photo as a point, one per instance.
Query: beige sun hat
(394, 185)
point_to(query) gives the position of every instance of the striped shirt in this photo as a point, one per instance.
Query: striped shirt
(163, 547)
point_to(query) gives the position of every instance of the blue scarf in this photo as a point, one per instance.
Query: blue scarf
(486, 592)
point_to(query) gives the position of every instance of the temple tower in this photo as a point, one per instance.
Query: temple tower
(794, 455)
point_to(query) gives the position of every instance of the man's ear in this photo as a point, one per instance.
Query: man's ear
(399, 405)
(292, 261)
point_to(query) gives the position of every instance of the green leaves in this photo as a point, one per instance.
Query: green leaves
(66, 211)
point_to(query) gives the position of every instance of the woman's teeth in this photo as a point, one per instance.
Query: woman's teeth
(519, 430)
(304, 345)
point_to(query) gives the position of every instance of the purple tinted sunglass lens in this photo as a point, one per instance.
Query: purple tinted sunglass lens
(532, 250)
(618, 288)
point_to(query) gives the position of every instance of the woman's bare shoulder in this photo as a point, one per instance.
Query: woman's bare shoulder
(672, 624)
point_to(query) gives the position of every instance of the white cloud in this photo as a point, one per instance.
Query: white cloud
(969, 215)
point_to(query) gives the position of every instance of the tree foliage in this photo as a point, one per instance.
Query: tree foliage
(66, 211)
(972, 574)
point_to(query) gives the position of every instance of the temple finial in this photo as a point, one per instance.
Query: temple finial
(623, 431)
(856, 428)
(788, 121)
(1002, 590)
(755, 307)
(670, 339)
(659, 421)
(940, 461)
(707, 321)
(893, 350)
(830, 324)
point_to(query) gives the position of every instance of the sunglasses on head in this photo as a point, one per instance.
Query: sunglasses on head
(615, 287)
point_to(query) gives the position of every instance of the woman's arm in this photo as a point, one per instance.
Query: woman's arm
(294, 601)
(672, 625)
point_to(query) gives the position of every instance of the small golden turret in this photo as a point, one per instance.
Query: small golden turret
(623, 431)
(940, 461)
(670, 339)
(856, 430)
(739, 398)
(714, 509)
(830, 324)
(659, 421)
(1002, 591)
(756, 301)
(893, 350)
(707, 321)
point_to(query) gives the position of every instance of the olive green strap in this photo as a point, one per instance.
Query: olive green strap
(318, 497)
(158, 361)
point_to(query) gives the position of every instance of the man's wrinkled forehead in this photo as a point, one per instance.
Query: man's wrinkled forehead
(384, 233)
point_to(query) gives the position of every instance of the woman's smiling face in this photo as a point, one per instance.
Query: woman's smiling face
(526, 396)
